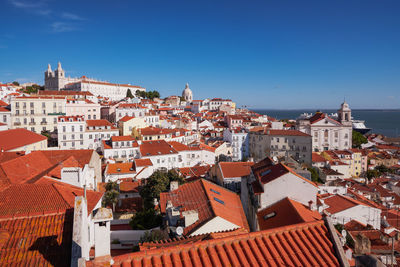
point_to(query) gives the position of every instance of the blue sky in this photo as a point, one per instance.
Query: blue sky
(262, 54)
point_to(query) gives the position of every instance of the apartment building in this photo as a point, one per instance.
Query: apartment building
(71, 132)
(37, 113)
(280, 143)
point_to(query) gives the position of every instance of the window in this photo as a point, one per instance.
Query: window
(64, 137)
(17, 112)
(94, 117)
(73, 136)
(55, 120)
(17, 104)
(72, 128)
(44, 111)
(43, 105)
(32, 129)
(89, 117)
(32, 112)
(81, 136)
(31, 104)
(64, 129)
(4, 118)
(25, 121)
(90, 136)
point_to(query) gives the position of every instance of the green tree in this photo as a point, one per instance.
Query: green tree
(111, 195)
(372, 174)
(358, 139)
(158, 182)
(145, 220)
(140, 93)
(153, 236)
(110, 185)
(129, 94)
(15, 83)
(314, 175)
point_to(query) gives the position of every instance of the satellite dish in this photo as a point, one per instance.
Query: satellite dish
(179, 230)
(275, 158)
(344, 233)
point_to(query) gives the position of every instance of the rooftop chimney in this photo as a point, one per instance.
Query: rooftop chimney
(191, 216)
(173, 185)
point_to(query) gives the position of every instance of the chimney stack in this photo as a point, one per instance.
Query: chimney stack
(173, 185)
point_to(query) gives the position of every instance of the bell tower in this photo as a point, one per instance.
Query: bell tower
(345, 114)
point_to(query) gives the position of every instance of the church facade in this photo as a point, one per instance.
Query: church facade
(329, 133)
(56, 80)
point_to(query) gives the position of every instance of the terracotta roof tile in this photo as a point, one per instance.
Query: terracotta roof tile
(154, 148)
(339, 203)
(37, 241)
(121, 168)
(204, 192)
(17, 138)
(285, 212)
(306, 244)
(235, 169)
(143, 162)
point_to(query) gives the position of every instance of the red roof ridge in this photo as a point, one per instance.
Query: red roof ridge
(130, 257)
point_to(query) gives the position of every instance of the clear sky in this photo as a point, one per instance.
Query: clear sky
(263, 54)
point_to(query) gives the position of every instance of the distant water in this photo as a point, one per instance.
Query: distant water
(386, 122)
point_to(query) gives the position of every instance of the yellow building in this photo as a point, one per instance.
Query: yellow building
(129, 125)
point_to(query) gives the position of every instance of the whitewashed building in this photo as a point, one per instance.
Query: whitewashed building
(328, 133)
(71, 131)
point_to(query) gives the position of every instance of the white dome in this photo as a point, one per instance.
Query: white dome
(187, 93)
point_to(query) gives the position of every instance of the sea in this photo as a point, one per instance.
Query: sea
(382, 121)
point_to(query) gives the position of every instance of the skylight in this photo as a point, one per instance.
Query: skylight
(214, 191)
(265, 172)
(269, 215)
(219, 201)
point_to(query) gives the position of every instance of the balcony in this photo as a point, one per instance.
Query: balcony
(43, 123)
(56, 114)
(17, 123)
(32, 123)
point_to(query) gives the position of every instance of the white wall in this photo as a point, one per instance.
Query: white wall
(216, 224)
(361, 213)
(288, 185)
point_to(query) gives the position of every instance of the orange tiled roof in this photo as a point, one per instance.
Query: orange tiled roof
(195, 171)
(98, 123)
(36, 241)
(206, 204)
(25, 168)
(235, 169)
(306, 244)
(122, 138)
(317, 157)
(118, 168)
(16, 138)
(143, 162)
(155, 148)
(126, 118)
(339, 203)
(285, 212)
(45, 196)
